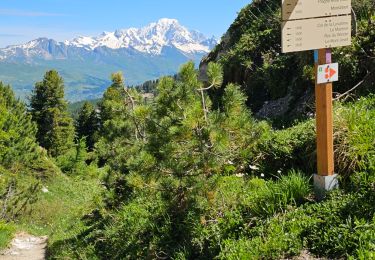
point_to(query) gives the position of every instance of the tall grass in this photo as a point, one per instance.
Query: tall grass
(355, 136)
(6, 234)
(59, 209)
(273, 197)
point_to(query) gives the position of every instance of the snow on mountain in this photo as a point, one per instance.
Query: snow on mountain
(150, 39)
(41, 47)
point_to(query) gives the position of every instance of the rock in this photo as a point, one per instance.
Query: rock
(26, 247)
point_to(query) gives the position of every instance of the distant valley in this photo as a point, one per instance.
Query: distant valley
(86, 63)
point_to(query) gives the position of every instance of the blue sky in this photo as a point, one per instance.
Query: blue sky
(23, 20)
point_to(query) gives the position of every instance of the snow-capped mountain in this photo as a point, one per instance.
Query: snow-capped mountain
(86, 62)
(150, 40)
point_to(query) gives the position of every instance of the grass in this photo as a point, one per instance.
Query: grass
(58, 212)
(6, 234)
(355, 135)
(340, 227)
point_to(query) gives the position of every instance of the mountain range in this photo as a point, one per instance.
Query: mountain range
(87, 62)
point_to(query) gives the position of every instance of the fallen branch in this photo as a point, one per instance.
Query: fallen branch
(345, 95)
(8, 196)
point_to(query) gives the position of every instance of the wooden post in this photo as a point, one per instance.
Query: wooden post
(324, 119)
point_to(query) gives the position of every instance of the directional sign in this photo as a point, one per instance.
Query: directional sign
(319, 25)
(328, 73)
(302, 9)
(318, 33)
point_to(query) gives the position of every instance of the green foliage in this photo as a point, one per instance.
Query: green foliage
(17, 132)
(78, 161)
(357, 61)
(120, 125)
(32, 191)
(87, 124)
(145, 225)
(291, 148)
(236, 206)
(250, 53)
(23, 164)
(75, 107)
(148, 86)
(215, 74)
(143, 143)
(157, 228)
(59, 211)
(339, 227)
(49, 111)
(17, 194)
(274, 197)
(355, 136)
(294, 148)
(187, 180)
(6, 234)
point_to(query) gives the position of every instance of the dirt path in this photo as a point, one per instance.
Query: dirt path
(25, 247)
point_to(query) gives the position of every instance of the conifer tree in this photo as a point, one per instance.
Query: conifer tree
(87, 124)
(117, 110)
(22, 161)
(49, 111)
(17, 132)
(112, 98)
(115, 125)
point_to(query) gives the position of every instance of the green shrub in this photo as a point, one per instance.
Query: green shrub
(78, 162)
(23, 164)
(6, 234)
(273, 197)
(18, 191)
(354, 142)
(59, 212)
(355, 136)
(236, 208)
(291, 148)
(341, 226)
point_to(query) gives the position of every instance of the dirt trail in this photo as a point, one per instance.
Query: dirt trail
(25, 246)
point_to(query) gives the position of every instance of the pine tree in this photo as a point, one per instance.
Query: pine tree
(117, 110)
(49, 111)
(22, 162)
(87, 124)
(113, 98)
(17, 132)
(119, 122)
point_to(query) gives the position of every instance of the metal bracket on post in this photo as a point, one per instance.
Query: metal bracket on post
(323, 184)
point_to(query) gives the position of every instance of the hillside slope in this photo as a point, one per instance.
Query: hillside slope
(281, 85)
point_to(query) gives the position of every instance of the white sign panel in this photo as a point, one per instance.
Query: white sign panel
(302, 9)
(317, 33)
(328, 73)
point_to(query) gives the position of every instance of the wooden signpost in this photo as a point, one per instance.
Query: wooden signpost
(319, 25)
(318, 33)
(304, 9)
